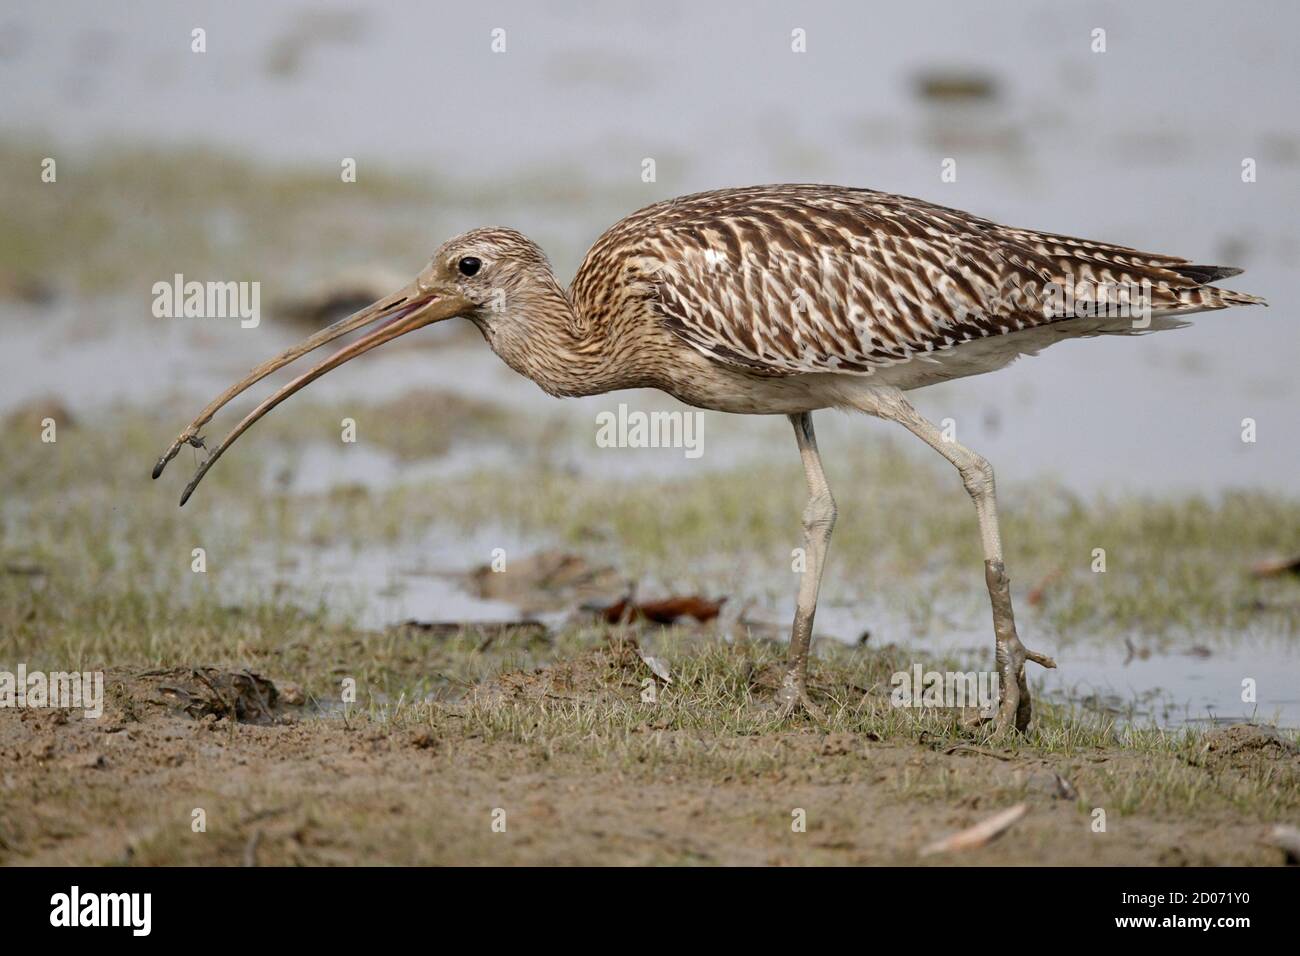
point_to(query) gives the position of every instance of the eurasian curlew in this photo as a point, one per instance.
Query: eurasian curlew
(785, 300)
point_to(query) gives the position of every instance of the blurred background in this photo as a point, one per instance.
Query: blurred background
(225, 165)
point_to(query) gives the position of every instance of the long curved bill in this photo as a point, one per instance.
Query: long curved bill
(412, 308)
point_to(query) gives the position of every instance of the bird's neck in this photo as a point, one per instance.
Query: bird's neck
(545, 338)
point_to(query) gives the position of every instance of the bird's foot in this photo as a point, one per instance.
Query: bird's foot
(1016, 706)
(792, 698)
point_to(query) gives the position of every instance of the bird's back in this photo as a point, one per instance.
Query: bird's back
(791, 279)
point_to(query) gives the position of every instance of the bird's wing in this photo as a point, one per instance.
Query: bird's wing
(784, 280)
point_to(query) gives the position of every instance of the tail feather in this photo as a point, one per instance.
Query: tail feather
(1203, 297)
(1206, 296)
(1180, 287)
(1205, 274)
(1228, 297)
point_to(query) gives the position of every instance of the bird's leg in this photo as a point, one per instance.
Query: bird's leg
(818, 521)
(1015, 709)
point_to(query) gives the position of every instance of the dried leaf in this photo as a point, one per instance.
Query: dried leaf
(666, 611)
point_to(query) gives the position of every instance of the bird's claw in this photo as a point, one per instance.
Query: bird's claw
(792, 698)
(1016, 707)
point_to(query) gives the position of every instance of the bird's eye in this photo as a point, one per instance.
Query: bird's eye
(469, 265)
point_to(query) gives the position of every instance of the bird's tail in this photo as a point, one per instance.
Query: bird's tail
(1206, 296)
(1206, 274)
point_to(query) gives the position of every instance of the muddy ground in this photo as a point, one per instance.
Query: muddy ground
(581, 771)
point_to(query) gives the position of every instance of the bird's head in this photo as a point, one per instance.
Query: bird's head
(487, 265)
(485, 275)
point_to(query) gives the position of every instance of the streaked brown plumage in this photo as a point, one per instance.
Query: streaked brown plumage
(784, 300)
(768, 278)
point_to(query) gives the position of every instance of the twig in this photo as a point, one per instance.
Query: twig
(980, 834)
(250, 848)
(967, 748)
(1287, 839)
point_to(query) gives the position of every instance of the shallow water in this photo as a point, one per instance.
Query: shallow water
(1179, 685)
(1175, 684)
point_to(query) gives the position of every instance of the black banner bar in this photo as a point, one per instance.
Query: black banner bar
(285, 907)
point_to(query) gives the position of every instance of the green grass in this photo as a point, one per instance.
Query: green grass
(116, 551)
(715, 721)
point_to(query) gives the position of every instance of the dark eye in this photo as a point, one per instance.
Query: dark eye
(469, 265)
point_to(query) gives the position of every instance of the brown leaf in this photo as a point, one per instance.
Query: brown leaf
(666, 611)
